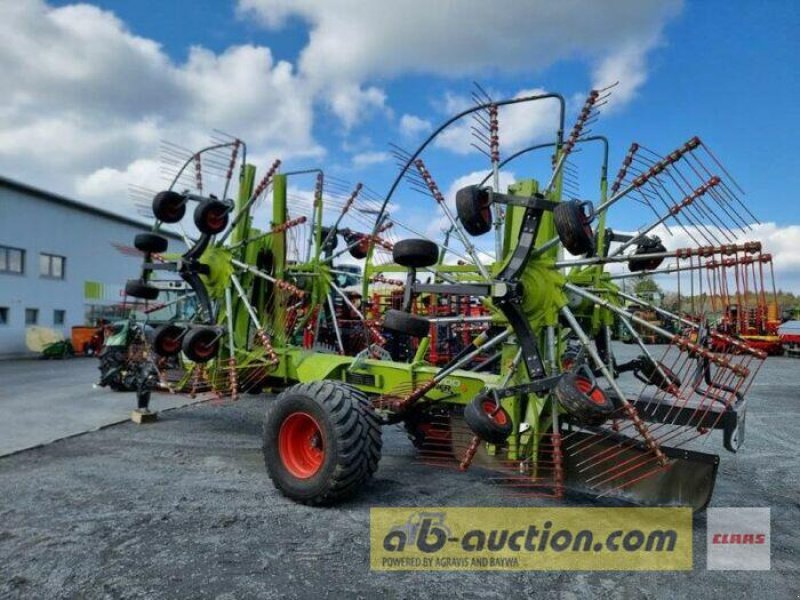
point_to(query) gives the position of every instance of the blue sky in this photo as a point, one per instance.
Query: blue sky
(725, 71)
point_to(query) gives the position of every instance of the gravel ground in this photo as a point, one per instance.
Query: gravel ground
(183, 509)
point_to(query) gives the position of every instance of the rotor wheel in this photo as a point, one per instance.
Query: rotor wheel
(574, 227)
(473, 206)
(139, 289)
(211, 216)
(583, 399)
(649, 374)
(169, 206)
(201, 344)
(648, 246)
(415, 253)
(167, 339)
(431, 431)
(150, 243)
(488, 420)
(322, 442)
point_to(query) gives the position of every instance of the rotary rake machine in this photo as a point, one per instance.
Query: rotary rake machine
(530, 390)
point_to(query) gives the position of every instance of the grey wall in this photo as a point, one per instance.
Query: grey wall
(86, 239)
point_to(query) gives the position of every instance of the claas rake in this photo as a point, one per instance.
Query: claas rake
(488, 341)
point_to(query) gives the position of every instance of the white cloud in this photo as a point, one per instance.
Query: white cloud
(780, 241)
(627, 69)
(86, 99)
(412, 126)
(352, 102)
(519, 124)
(353, 41)
(366, 159)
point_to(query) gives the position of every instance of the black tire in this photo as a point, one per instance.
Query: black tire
(344, 437)
(473, 205)
(150, 243)
(583, 399)
(650, 245)
(415, 254)
(648, 373)
(167, 339)
(574, 227)
(402, 322)
(139, 289)
(201, 344)
(359, 250)
(331, 243)
(431, 431)
(211, 216)
(169, 206)
(491, 425)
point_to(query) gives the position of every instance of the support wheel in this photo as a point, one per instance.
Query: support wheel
(201, 344)
(167, 340)
(415, 254)
(169, 206)
(650, 245)
(322, 442)
(583, 399)
(139, 289)
(664, 379)
(573, 225)
(487, 421)
(473, 208)
(211, 216)
(150, 243)
(431, 431)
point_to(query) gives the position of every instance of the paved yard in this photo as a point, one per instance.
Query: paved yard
(183, 509)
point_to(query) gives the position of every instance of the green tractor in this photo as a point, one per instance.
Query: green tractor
(341, 305)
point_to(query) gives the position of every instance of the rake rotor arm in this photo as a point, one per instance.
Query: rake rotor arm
(410, 161)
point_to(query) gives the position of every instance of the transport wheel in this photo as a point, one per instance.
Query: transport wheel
(211, 216)
(402, 322)
(415, 254)
(649, 374)
(473, 208)
(140, 289)
(201, 344)
(651, 245)
(486, 421)
(169, 207)
(150, 242)
(322, 442)
(582, 399)
(573, 225)
(167, 339)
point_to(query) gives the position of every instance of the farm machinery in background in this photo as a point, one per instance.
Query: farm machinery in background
(489, 343)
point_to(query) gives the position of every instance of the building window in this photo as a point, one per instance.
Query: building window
(3, 315)
(12, 260)
(51, 265)
(59, 317)
(31, 316)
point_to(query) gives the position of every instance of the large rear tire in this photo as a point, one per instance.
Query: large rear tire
(322, 442)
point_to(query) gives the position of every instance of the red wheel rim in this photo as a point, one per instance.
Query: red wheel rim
(170, 344)
(215, 219)
(498, 417)
(300, 445)
(596, 396)
(204, 350)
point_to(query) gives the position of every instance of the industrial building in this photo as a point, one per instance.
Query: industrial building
(62, 262)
